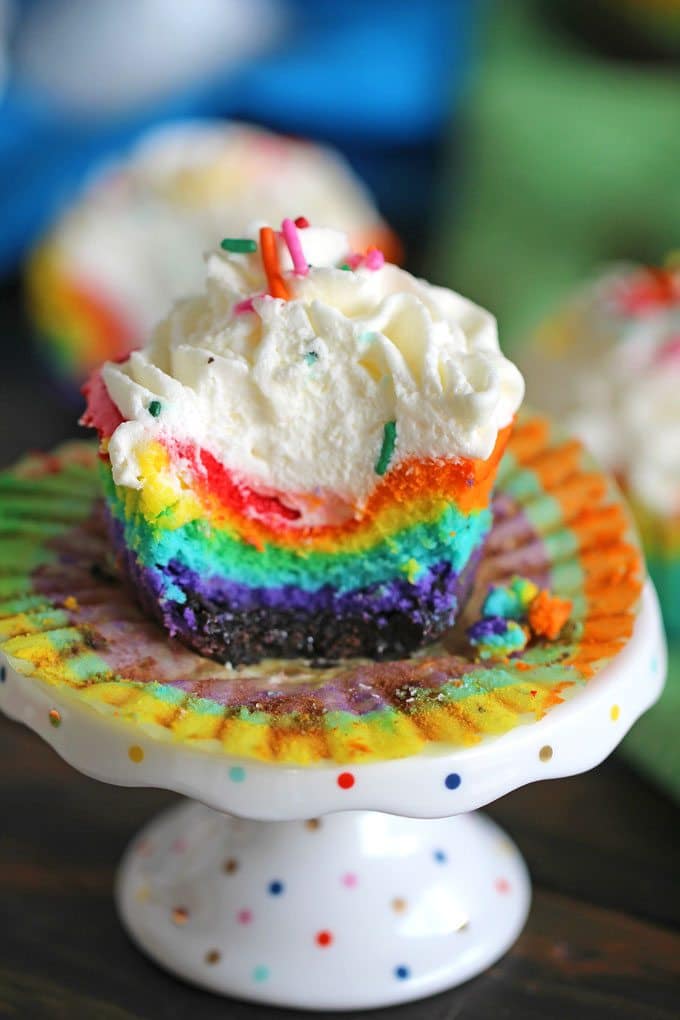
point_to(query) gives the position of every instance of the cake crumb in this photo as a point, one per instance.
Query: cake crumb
(548, 614)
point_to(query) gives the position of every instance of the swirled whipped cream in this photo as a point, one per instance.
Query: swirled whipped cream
(293, 395)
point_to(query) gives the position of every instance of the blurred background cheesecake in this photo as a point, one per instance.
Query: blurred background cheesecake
(134, 240)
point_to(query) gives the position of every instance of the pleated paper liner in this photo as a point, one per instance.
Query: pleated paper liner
(68, 621)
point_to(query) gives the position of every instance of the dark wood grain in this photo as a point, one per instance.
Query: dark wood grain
(600, 942)
(608, 837)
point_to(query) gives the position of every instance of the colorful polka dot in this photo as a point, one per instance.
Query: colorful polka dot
(244, 916)
(237, 773)
(402, 972)
(3, 674)
(213, 956)
(502, 886)
(55, 717)
(399, 905)
(323, 939)
(546, 753)
(440, 857)
(230, 866)
(260, 973)
(313, 824)
(346, 780)
(452, 781)
(136, 754)
(275, 888)
(350, 880)
(180, 915)
(614, 713)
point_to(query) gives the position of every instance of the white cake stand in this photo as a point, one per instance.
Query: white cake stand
(332, 888)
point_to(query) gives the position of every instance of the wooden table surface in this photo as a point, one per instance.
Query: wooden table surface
(601, 941)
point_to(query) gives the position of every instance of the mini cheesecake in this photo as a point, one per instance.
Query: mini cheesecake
(299, 463)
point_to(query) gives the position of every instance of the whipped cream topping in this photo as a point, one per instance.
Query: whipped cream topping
(138, 234)
(608, 366)
(294, 395)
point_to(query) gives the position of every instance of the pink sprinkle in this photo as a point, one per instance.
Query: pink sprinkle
(292, 239)
(244, 916)
(374, 259)
(246, 305)
(350, 880)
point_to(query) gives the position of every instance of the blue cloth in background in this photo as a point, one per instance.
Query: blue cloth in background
(377, 79)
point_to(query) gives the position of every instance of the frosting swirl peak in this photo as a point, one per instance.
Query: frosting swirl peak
(294, 395)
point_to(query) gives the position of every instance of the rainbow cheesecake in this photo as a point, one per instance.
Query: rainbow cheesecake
(606, 365)
(133, 242)
(299, 462)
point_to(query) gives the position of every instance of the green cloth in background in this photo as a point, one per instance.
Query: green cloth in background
(569, 159)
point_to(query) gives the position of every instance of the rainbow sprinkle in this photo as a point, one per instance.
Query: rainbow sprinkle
(239, 245)
(270, 261)
(292, 239)
(387, 448)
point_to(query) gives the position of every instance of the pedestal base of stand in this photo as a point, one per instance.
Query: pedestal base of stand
(349, 911)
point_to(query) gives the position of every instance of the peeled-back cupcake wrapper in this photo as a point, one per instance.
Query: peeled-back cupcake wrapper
(67, 620)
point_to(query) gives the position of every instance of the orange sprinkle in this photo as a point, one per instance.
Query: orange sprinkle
(548, 614)
(270, 261)
(71, 602)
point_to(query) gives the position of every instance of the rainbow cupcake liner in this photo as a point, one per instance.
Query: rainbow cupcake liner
(70, 622)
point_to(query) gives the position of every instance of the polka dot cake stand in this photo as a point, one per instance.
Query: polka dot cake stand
(329, 855)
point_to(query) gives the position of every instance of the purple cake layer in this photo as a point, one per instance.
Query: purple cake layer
(233, 623)
(436, 587)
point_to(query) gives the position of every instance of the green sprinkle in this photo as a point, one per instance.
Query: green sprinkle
(387, 449)
(311, 357)
(242, 245)
(346, 267)
(367, 338)
(155, 408)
